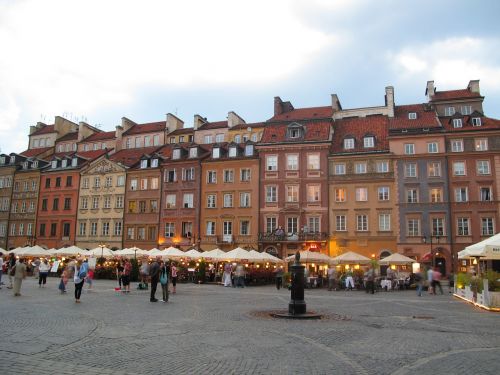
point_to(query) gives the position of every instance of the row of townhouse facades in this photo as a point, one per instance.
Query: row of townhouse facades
(416, 179)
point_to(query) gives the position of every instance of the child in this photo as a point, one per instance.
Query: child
(90, 277)
(64, 281)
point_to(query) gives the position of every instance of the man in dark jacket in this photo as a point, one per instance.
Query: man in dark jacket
(154, 273)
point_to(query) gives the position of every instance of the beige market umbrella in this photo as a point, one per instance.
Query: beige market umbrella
(215, 254)
(193, 254)
(16, 250)
(351, 258)
(33, 251)
(310, 257)
(101, 252)
(173, 252)
(70, 251)
(397, 259)
(3, 251)
(240, 255)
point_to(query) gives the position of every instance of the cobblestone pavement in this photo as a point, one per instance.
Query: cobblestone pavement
(209, 329)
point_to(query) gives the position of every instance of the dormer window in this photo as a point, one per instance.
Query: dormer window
(412, 115)
(232, 152)
(457, 123)
(25, 165)
(466, 110)
(35, 164)
(369, 142)
(449, 111)
(64, 163)
(476, 121)
(237, 138)
(295, 131)
(349, 143)
(154, 163)
(193, 152)
(12, 160)
(249, 150)
(181, 139)
(74, 162)
(245, 138)
(144, 163)
(54, 164)
(216, 153)
(2, 160)
(176, 154)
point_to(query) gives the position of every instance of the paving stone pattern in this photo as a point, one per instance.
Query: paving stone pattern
(209, 329)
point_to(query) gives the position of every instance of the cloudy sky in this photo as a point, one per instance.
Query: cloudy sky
(102, 60)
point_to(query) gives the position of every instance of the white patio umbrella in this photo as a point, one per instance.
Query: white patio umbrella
(398, 259)
(239, 255)
(174, 252)
(17, 250)
(351, 258)
(270, 258)
(486, 249)
(157, 253)
(70, 251)
(52, 251)
(33, 251)
(3, 251)
(101, 252)
(310, 257)
(215, 254)
(193, 254)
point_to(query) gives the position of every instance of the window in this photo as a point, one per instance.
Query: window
(383, 193)
(339, 169)
(23, 207)
(294, 133)
(3, 230)
(105, 228)
(13, 229)
(156, 140)
(95, 202)
(412, 116)
(413, 227)
(271, 163)
(409, 148)
(434, 169)
(348, 143)
(369, 142)
(141, 233)
(219, 138)
(481, 144)
(107, 202)
(362, 223)
(485, 194)
(82, 231)
(154, 183)
(340, 223)
(292, 162)
(228, 200)
(227, 228)
(67, 203)
(187, 200)
(210, 228)
(211, 202)
(96, 146)
(172, 140)
(463, 226)
(64, 163)
(130, 233)
(271, 224)
(292, 193)
(411, 196)
(461, 194)
(69, 181)
(313, 162)
(170, 200)
(457, 123)
(313, 193)
(232, 152)
(410, 170)
(361, 194)
(32, 206)
(120, 181)
(459, 168)
(119, 201)
(228, 175)
(97, 182)
(438, 226)
(244, 227)
(360, 168)
(382, 166)
(436, 195)
(142, 207)
(144, 184)
(54, 164)
(58, 183)
(483, 167)
(292, 225)
(176, 154)
(170, 175)
(207, 139)
(216, 152)
(137, 142)
(15, 207)
(340, 195)
(487, 226)
(84, 203)
(476, 121)
(449, 111)
(432, 147)
(457, 145)
(237, 138)
(147, 141)
(244, 199)
(313, 223)
(245, 174)
(44, 204)
(384, 222)
(85, 183)
(466, 110)
(187, 229)
(108, 182)
(211, 177)
(249, 150)
(169, 229)
(55, 204)
(53, 229)
(144, 163)
(193, 152)
(118, 228)
(271, 194)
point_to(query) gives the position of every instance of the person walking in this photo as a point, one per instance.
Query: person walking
(429, 280)
(227, 275)
(20, 272)
(370, 281)
(173, 273)
(239, 275)
(125, 277)
(436, 281)
(332, 278)
(154, 273)
(11, 263)
(419, 280)
(164, 280)
(119, 273)
(36, 268)
(64, 281)
(79, 279)
(43, 271)
(349, 281)
(1, 269)
(279, 277)
(90, 278)
(145, 271)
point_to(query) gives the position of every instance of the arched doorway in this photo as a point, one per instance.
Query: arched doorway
(440, 260)
(383, 269)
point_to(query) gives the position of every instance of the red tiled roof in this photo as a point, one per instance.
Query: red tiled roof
(91, 155)
(357, 128)
(213, 125)
(68, 137)
(129, 157)
(315, 131)
(487, 123)
(150, 127)
(425, 119)
(45, 129)
(35, 152)
(99, 136)
(63, 154)
(454, 94)
(165, 151)
(182, 131)
(252, 125)
(304, 114)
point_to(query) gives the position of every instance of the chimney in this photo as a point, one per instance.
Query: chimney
(33, 128)
(336, 103)
(127, 124)
(173, 123)
(233, 119)
(389, 100)
(473, 86)
(198, 121)
(430, 90)
(281, 107)
(118, 134)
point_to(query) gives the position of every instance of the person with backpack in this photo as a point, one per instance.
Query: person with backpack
(164, 280)
(154, 273)
(79, 278)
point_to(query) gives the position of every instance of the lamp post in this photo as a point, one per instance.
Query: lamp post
(102, 245)
(424, 240)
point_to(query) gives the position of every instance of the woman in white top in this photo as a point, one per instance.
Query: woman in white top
(43, 271)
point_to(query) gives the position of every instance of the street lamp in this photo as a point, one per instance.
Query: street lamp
(102, 245)
(424, 240)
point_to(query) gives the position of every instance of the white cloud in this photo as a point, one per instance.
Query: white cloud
(83, 56)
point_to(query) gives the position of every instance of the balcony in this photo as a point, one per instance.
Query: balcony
(295, 237)
(218, 240)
